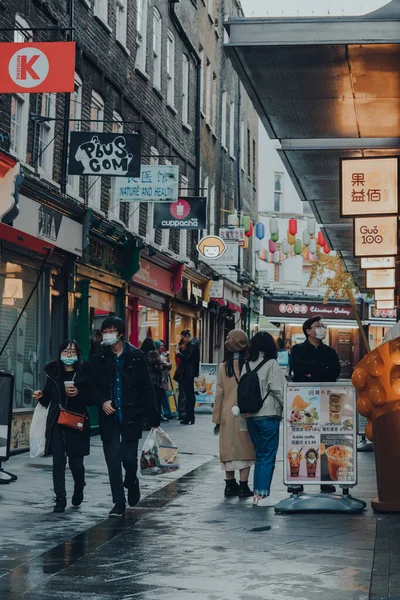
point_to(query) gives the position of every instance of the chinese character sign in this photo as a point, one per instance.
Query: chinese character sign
(234, 234)
(375, 236)
(320, 434)
(369, 186)
(156, 183)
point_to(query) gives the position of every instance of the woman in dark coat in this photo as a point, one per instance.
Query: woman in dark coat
(155, 366)
(63, 441)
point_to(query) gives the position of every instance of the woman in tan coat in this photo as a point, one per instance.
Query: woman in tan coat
(236, 449)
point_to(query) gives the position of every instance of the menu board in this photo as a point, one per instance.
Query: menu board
(320, 434)
(206, 383)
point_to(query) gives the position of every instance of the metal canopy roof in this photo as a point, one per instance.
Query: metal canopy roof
(327, 88)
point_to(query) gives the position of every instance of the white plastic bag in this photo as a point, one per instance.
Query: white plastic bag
(159, 454)
(37, 436)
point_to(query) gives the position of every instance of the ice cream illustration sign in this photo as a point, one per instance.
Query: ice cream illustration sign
(320, 434)
(211, 247)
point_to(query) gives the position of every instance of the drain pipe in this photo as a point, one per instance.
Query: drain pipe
(192, 50)
(238, 174)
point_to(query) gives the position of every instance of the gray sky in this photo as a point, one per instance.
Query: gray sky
(274, 8)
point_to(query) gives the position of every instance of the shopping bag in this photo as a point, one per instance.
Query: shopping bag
(159, 454)
(37, 436)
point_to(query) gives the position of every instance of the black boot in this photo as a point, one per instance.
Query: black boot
(133, 492)
(77, 497)
(61, 503)
(231, 488)
(244, 490)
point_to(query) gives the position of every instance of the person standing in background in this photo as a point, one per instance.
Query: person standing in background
(264, 425)
(167, 366)
(155, 366)
(235, 446)
(189, 365)
(178, 378)
(314, 362)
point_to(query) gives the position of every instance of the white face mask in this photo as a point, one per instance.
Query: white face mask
(320, 333)
(110, 339)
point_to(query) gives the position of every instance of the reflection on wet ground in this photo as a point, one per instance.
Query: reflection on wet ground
(186, 542)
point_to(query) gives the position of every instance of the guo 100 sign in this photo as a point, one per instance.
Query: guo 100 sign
(375, 236)
(371, 236)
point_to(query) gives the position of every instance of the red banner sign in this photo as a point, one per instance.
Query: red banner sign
(37, 67)
(305, 310)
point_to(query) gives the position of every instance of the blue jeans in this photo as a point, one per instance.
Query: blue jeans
(264, 434)
(166, 408)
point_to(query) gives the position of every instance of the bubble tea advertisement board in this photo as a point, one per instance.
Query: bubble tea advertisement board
(320, 442)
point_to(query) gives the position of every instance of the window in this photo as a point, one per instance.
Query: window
(141, 34)
(242, 143)
(45, 147)
(214, 93)
(101, 9)
(232, 130)
(20, 102)
(185, 90)
(115, 208)
(121, 20)
(278, 192)
(157, 33)
(170, 69)
(254, 164)
(248, 154)
(223, 120)
(75, 112)
(97, 114)
(208, 91)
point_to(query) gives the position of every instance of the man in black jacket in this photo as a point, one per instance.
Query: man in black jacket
(189, 365)
(124, 395)
(314, 362)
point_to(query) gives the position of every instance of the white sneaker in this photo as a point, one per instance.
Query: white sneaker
(267, 501)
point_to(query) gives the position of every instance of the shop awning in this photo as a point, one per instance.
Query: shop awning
(327, 88)
(265, 325)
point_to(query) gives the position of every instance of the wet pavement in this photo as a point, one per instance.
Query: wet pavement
(184, 541)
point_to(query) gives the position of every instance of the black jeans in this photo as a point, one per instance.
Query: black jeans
(188, 388)
(58, 451)
(118, 452)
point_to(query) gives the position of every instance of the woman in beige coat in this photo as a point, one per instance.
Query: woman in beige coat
(236, 449)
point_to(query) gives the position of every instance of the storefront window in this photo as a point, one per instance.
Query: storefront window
(376, 335)
(20, 355)
(180, 323)
(151, 323)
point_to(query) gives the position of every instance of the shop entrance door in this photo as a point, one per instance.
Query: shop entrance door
(345, 351)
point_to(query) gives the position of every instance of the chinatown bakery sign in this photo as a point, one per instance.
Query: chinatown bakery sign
(307, 310)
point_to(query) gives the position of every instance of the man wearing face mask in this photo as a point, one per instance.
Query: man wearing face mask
(125, 396)
(314, 362)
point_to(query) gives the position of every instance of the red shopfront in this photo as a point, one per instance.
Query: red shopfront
(150, 293)
(343, 334)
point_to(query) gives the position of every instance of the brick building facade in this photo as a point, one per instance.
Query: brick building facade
(158, 68)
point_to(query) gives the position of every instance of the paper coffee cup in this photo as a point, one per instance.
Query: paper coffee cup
(69, 384)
